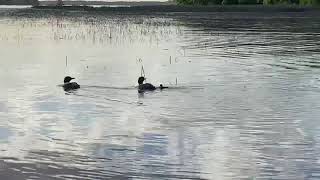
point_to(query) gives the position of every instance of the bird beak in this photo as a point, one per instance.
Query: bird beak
(72, 78)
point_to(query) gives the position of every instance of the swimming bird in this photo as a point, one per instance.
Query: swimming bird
(67, 86)
(145, 86)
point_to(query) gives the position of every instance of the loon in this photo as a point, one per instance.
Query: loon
(147, 86)
(67, 86)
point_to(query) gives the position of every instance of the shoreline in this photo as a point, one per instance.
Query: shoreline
(107, 3)
(179, 8)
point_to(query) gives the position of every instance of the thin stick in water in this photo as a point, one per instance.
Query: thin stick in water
(142, 71)
(66, 61)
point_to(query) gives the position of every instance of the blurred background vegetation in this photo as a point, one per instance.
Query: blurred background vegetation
(264, 2)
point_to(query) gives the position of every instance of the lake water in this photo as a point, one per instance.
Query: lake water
(243, 99)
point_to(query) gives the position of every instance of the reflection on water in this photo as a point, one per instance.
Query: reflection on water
(245, 105)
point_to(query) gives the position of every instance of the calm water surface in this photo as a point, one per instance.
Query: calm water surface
(243, 101)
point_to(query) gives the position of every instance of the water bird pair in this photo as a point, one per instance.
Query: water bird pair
(67, 86)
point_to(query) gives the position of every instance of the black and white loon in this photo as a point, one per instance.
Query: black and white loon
(70, 85)
(147, 86)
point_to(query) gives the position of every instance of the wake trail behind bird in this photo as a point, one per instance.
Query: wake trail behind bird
(107, 98)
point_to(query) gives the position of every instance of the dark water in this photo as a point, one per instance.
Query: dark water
(246, 104)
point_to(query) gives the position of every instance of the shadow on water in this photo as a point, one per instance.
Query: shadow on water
(253, 35)
(43, 167)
